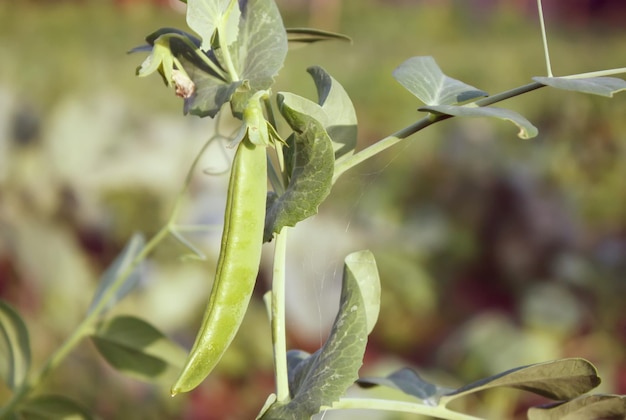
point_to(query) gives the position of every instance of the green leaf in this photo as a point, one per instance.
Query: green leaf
(361, 267)
(339, 118)
(322, 378)
(53, 407)
(260, 50)
(305, 36)
(527, 130)
(409, 382)
(558, 380)
(207, 16)
(138, 349)
(119, 265)
(423, 78)
(582, 408)
(311, 177)
(15, 354)
(603, 86)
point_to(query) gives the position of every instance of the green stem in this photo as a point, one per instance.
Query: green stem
(439, 412)
(279, 339)
(86, 326)
(430, 119)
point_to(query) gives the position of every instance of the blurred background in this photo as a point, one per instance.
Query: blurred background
(494, 252)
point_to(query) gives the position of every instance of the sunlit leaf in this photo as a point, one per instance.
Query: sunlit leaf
(603, 86)
(311, 176)
(322, 378)
(207, 16)
(526, 129)
(582, 408)
(119, 265)
(138, 349)
(361, 267)
(260, 49)
(53, 407)
(339, 118)
(423, 78)
(558, 380)
(15, 354)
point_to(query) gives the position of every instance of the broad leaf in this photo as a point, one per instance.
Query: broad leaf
(138, 349)
(409, 382)
(527, 130)
(15, 354)
(53, 407)
(207, 16)
(582, 408)
(117, 268)
(260, 50)
(423, 78)
(311, 176)
(558, 380)
(603, 86)
(339, 116)
(304, 36)
(322, 378)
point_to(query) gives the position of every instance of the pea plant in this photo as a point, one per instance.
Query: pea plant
(290, 150)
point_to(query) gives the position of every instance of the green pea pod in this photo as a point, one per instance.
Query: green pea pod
(237, 266)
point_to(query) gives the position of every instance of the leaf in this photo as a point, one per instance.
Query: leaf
(305, 36)
(311, 177)
(138, 349)
(15, 354)
(119, 265)
(527, 130)
(260, 49)
(53, 407)
(582, 408)
(361, 267)
(558, 380)
(339, 119)
(409, 382)
(603, 86)
(322, 378)
(423, 78)
(207, 16)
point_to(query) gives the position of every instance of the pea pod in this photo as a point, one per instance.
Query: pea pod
(237, 266)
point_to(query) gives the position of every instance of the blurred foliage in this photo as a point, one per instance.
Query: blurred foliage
(494, 252)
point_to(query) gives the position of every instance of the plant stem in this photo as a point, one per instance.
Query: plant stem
(430, 119)
(279, 339)
(407, 407)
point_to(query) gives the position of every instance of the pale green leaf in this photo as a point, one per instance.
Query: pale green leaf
(361, 266)
(423, 78)
(138, 349)
(260, 50)
(322, 378)
(110, 276)
(53, 407)
(603, 86)
(526, 129)
(339, 118)
(15, 356)
(207, 16)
